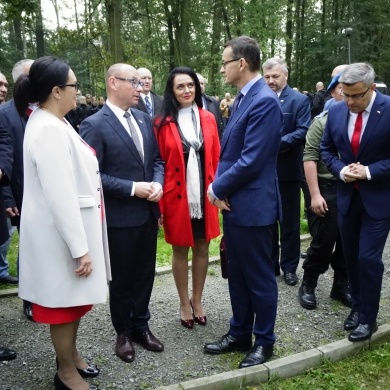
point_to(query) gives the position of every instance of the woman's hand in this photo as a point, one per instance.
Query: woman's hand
(85, 266)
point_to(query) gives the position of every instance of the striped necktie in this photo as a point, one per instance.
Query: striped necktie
(148, 105)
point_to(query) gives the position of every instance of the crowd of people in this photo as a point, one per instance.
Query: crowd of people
(97, 177)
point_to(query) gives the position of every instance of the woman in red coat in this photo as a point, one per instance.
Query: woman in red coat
(188, 139)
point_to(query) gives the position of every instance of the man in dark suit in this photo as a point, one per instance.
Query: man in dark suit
(211, 104)
(148, 102)
(356, 149)
(3, 88)
(15, 125)
(132, 175)
(296, 120)
(246, 190)
(5, 174)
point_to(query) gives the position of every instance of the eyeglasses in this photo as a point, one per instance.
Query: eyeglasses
(76, 86)
(134, 82)
(223, 64)
(355, 96)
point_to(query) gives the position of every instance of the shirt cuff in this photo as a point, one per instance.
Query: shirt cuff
(341, 174)
(133, 189)
(210, 189)
(368, 174)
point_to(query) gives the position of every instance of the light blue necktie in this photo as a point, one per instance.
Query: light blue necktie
(148, 105)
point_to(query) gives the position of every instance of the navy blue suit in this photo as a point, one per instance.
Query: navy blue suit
(131, 221)
(247, 178)
(15, 125)
(156, 104)
(364, 212)
(296, 120)
(6, 161)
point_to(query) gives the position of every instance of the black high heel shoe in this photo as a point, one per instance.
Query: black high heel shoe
(92, 371)
(59, 385)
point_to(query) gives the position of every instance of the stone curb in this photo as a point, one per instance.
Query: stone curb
(282, 368)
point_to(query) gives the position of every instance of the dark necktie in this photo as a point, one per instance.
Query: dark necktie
(134, 134)
(148, 105)
(357, 131)
(236, 103)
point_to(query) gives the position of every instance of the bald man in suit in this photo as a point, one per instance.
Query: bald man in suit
(132, 173)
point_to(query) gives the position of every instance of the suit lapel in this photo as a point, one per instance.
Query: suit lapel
(117, 126)
(373, 119)
(284, 95)
(244, 104)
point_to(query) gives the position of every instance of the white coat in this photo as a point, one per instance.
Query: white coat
(61, 218)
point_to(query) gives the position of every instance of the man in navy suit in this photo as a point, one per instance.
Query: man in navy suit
(356, 149)
(211, 104)
(15, 125)
(5, 174)
(296, 117)
(246, 190)
(132, 175)
(148, 102)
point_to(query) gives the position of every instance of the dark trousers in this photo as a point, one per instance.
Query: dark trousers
(325, 247)
(290, 227)
(363, 239)
(133, 264)
(252, 284)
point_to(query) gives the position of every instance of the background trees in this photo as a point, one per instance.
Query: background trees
(161, 34)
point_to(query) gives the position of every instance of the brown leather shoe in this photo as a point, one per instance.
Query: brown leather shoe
(124, 348)
(148, 341)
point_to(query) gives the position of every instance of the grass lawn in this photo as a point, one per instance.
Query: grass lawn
(368, 370)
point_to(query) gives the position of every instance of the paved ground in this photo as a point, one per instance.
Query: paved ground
(297, 330)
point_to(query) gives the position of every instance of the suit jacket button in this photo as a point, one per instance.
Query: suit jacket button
(97, 172)
(98, 189)
(99, 206)
(178, 183)
(179, 196)
(177, 169)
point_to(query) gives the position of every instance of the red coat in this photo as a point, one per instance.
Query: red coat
(174, 203)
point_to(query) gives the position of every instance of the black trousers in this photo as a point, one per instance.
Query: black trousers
(325, 247)
(133, 267)
(290, 238)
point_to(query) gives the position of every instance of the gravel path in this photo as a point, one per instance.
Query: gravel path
(183, 359)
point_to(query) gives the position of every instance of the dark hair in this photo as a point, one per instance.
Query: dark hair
(248, 48)
(170, 105)
(45, 73)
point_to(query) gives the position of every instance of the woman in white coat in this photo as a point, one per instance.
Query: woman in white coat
(64, 261)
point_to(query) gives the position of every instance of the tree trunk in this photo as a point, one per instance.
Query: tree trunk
(39, 35)
(114, 13)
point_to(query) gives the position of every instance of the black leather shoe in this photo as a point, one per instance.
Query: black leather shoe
(290, 278)
(9, 280)
(59, 385)
(27, 310)
(124, 348)
(257, 355)
(148, 341)
(342, 295)
(7, 354)
(303, 255)
(307, 297)
(352, 321)
(363, 332)
(227, 344)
